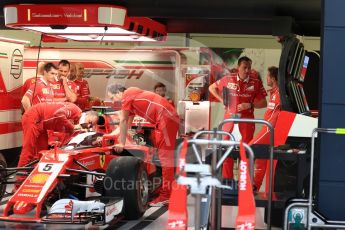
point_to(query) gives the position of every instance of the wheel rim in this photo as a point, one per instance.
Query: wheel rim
(143, 187)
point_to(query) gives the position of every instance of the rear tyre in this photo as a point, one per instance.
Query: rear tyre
(126, 177)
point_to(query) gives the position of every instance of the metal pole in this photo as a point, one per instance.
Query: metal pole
(197, 206)
(214, 216)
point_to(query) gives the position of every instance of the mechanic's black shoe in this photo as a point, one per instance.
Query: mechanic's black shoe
(159, 202)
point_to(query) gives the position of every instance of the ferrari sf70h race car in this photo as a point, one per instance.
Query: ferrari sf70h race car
(83, 181)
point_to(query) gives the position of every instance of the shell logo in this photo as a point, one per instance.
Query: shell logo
(39, 178)
(194, 96)
(31, 190)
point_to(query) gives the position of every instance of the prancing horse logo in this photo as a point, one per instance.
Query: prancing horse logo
(102, 160)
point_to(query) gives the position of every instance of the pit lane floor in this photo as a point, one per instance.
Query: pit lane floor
(154, 218)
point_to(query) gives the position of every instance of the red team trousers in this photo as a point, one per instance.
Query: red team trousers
(247, 132)
(165, 139)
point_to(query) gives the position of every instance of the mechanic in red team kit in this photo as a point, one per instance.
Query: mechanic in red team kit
(48, 116)
(246, 92)
(161, 90)
(158, 111)
(41, 90)
(28, 82)
(271, 115)
(83, 87)
(62, 87)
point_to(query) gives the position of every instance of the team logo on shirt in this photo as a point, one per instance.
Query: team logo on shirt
(250, 88)
(271, 105)
(56, 86)
(45, 91)
(232, 86)
(273, 97)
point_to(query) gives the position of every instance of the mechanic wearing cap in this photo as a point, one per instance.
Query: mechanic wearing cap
(246, 92)
(271, 115)
(39, 118)
(158, 111)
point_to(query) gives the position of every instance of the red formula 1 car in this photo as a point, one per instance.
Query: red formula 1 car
(82, 182)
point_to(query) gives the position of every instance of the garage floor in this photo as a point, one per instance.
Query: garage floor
(154, 218)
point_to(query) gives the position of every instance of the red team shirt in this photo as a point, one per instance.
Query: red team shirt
(271, 115)
(159, 112)
(83, 93)
(147, 105)
(59, 90)
(40, 118)
(263, 136)
(83, 87)
(273, 107)
(40, 92)
(241, 91)
(58, 116)
(27, 84)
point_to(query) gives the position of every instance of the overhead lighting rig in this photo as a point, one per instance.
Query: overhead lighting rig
(84, 22)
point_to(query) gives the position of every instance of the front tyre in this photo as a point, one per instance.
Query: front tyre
(126, 177)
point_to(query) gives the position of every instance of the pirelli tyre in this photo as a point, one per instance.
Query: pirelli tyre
(3, 176)
(127, 177)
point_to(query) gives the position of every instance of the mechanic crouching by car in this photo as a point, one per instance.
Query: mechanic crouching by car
(58, 117)
(158, 111)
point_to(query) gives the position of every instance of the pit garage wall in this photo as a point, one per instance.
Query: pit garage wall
(11, 79)
(103, 67)
(331, 184)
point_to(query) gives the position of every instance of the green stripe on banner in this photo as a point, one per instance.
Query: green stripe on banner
(340, 131)
(144, 62)
(5, 54)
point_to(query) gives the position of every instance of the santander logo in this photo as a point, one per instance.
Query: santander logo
(243, 176)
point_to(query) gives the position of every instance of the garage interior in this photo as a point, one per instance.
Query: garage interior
(252, 25)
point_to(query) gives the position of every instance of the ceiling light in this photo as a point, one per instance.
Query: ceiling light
(83, 22)
(119, 38)
(78, 30)
(5, 39)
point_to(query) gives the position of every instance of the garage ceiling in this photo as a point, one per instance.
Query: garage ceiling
(253, 17)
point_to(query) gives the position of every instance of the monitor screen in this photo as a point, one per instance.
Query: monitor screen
(304, 68)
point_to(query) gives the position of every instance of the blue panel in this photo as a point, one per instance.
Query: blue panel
(331, 202)
(331, 184)
(333, 76)
(332, 158)
(334, 13)
(332, 161)
(333, 116)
